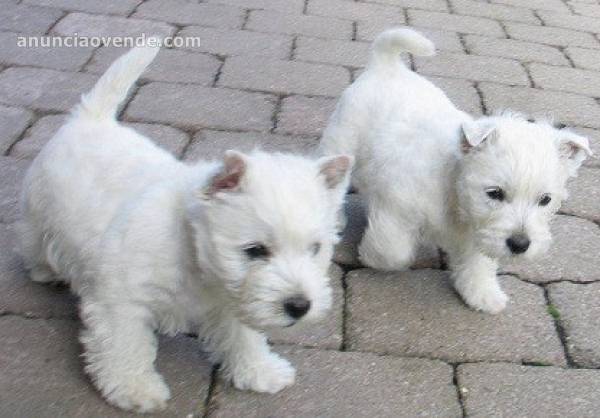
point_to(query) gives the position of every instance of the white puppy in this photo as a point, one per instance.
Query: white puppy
(149, 243)
(480, 189)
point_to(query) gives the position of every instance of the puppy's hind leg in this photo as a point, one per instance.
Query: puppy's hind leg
(33, 251)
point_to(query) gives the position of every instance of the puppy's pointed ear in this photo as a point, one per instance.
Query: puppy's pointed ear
(335, 170)
(473, 134)
(229, 177)
(573, 150)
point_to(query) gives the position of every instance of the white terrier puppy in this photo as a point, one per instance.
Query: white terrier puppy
(149, 243)
(480, 189)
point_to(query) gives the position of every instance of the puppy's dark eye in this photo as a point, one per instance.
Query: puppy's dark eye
(495, 193)
(315, 248)
(545, 200)
(257, 250)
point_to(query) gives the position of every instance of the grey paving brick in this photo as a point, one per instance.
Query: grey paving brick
(12, 172)
(578, 306)
(121, 7)
(199, 107)
(519, 50)
(19, 295)
(352, 10)
(37, 136)
(568, 21)
(417, 313)
(455, 23)
(302, 115)
(325, 334)
(352, 54)
(27, 19)
(565, 107)
(213, 144)
(551, 36)
(239, 42)
(585, 8)
(166, 137)
(510, 390)
(336, 384)
(472, 67)
(86, 25)
(317, 26)
(593, 136)
(346, 251)
(185, 12)
(573, 254)
(584, 58)
(443, 40)
(439, 5)
(571, 80)
(43, 89)
(282, 6)
(13, 121)
(59, 58)
(461, 92)
(42, 373)
(284, 76)
(170, 65)
(557, 5)
(493, 11)
(584, 195)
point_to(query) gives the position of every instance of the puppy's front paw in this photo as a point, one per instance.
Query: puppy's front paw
(270, 376)
(487, 299)
(143, 393)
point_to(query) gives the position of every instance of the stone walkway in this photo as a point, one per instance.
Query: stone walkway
(268, 72)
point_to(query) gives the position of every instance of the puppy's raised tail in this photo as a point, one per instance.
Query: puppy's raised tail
(389, 44)
(111, 90)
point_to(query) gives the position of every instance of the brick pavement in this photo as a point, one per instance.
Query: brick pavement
(267, 73)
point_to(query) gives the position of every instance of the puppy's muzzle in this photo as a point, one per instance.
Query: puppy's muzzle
(518, 243)
(296, 307)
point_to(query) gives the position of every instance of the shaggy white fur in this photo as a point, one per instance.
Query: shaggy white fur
(222, 249)
(481, 189)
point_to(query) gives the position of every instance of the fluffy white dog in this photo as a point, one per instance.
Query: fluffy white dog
(219, 248)
(481, 189)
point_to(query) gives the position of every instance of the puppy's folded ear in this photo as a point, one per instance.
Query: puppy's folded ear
(335, 170)
(229, 177)
(573, 150)
(475, 133)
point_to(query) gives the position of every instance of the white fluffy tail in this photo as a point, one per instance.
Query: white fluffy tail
(111, 90)
(389, 44)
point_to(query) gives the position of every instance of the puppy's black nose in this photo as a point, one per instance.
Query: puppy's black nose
(296, 306)
(518, 243)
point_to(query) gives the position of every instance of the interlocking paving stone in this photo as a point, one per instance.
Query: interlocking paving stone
(588, 59)
(584, 195)
(417, 313)
(569, 108)
(184, 12)
(579, 309)
(27, 19)
(493, 11)
(302, 115)
(472, 67)
(461, 92)
(593, 136)
(284, 76)
(346, 251)
(59, 58)
(573, 254)
(121, 7)
(13, 121)
(564, 20)
(510, 390)
(167, 137)
(557, 5)
(43, 89)
(283, 6)
(439, 5)
(585, 9)
(213, 144)
(19, 295)
(352, 54)
(324, 27)
(444, 41)
(462, 24)
(352, 10)
(550, 36)
(325, 334)
(42, 373)
(199, 107)
(335, 384)
(519, 50)
(239, 42)
(170, 65)
(86, 25)
(566, 79)
(12, 172)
